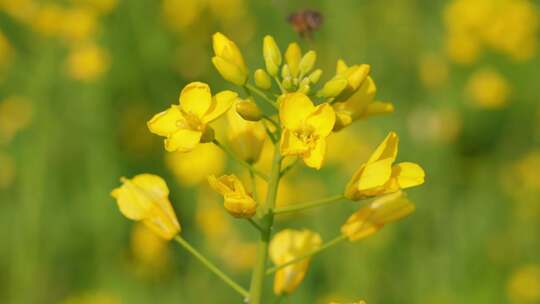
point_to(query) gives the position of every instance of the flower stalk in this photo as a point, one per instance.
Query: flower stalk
(213, 268)
(241, 162)
(313, 204)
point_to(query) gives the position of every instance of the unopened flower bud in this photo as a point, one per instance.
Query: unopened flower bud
(272, 55)
(333, 87)
(262, 79)
(249, 111)
(307, 62)
(315, 76)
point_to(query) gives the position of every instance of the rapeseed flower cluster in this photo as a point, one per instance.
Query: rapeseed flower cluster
(285, 116)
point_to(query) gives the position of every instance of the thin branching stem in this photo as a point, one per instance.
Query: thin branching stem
(313, 204)
(261, 94)
(325, 246)
(240, 161)
(213, 268)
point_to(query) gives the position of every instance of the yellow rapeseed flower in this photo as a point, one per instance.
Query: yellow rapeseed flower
(305, 128)
(371, 218)
(380, 176)
(145, 198)
(488, 89)
(237, 201)
(246, 137)
(286, 246)
(228, 60)
(524, 285)
(346, 82)
(361, 104)
(184, 125)
(87, 62)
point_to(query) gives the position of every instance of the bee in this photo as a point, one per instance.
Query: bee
(305, 22)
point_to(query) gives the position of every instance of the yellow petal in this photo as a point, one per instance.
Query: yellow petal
(132, 205)
(341, 66)
(291, 145)
(152, 184)
(359, 225)
(220, 104)
(183, 140)
(378, 108)
(294, 108)
(375, 174)
(165, 123)
(390, 208)
(387, 149)
(196, 98)
(322, 119)
(408, 174)
(315, 158)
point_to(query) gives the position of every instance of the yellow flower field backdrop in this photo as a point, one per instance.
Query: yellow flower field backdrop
(425, 115)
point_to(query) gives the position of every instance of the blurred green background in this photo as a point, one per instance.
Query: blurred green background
(80, 78)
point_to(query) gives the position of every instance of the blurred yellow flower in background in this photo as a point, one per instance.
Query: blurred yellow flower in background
(305, 128)
(487, 88)
(78, 24)
(246, 137)
(6, 51)
(433, 71)
(149, 250)
(186, 125)
(508, 26)
(15, 114)
(8, 171)
(524, 285)
(100, 6)
(380, 176)
(237, 201)
(191, 168)
(145, 198)
(93, 298)
(87, 62)
(228, 60)
(371, 218)
(286, 246)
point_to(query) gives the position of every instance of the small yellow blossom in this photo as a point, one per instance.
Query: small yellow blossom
(191, 168)
(305, 128)
(237, 201)
(46, 20)
(8, 171)
(380, 176)
(346, 82)
(15, 114)
(371, 218)
(488, 89)
(246, 137)
(145, 198)
(78, 24)
(293, 55)
(228, 60)
(524, 285)
(360, 105)
(184, 125)
(433, 71)
(286, 246)
(87, 62)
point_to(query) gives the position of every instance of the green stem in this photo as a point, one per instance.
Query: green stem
(211, 266)
(255, 224)
(309, 205)
(327, 245)
(240, 161)
(279, 85)
(258, 275)
(261, 94)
